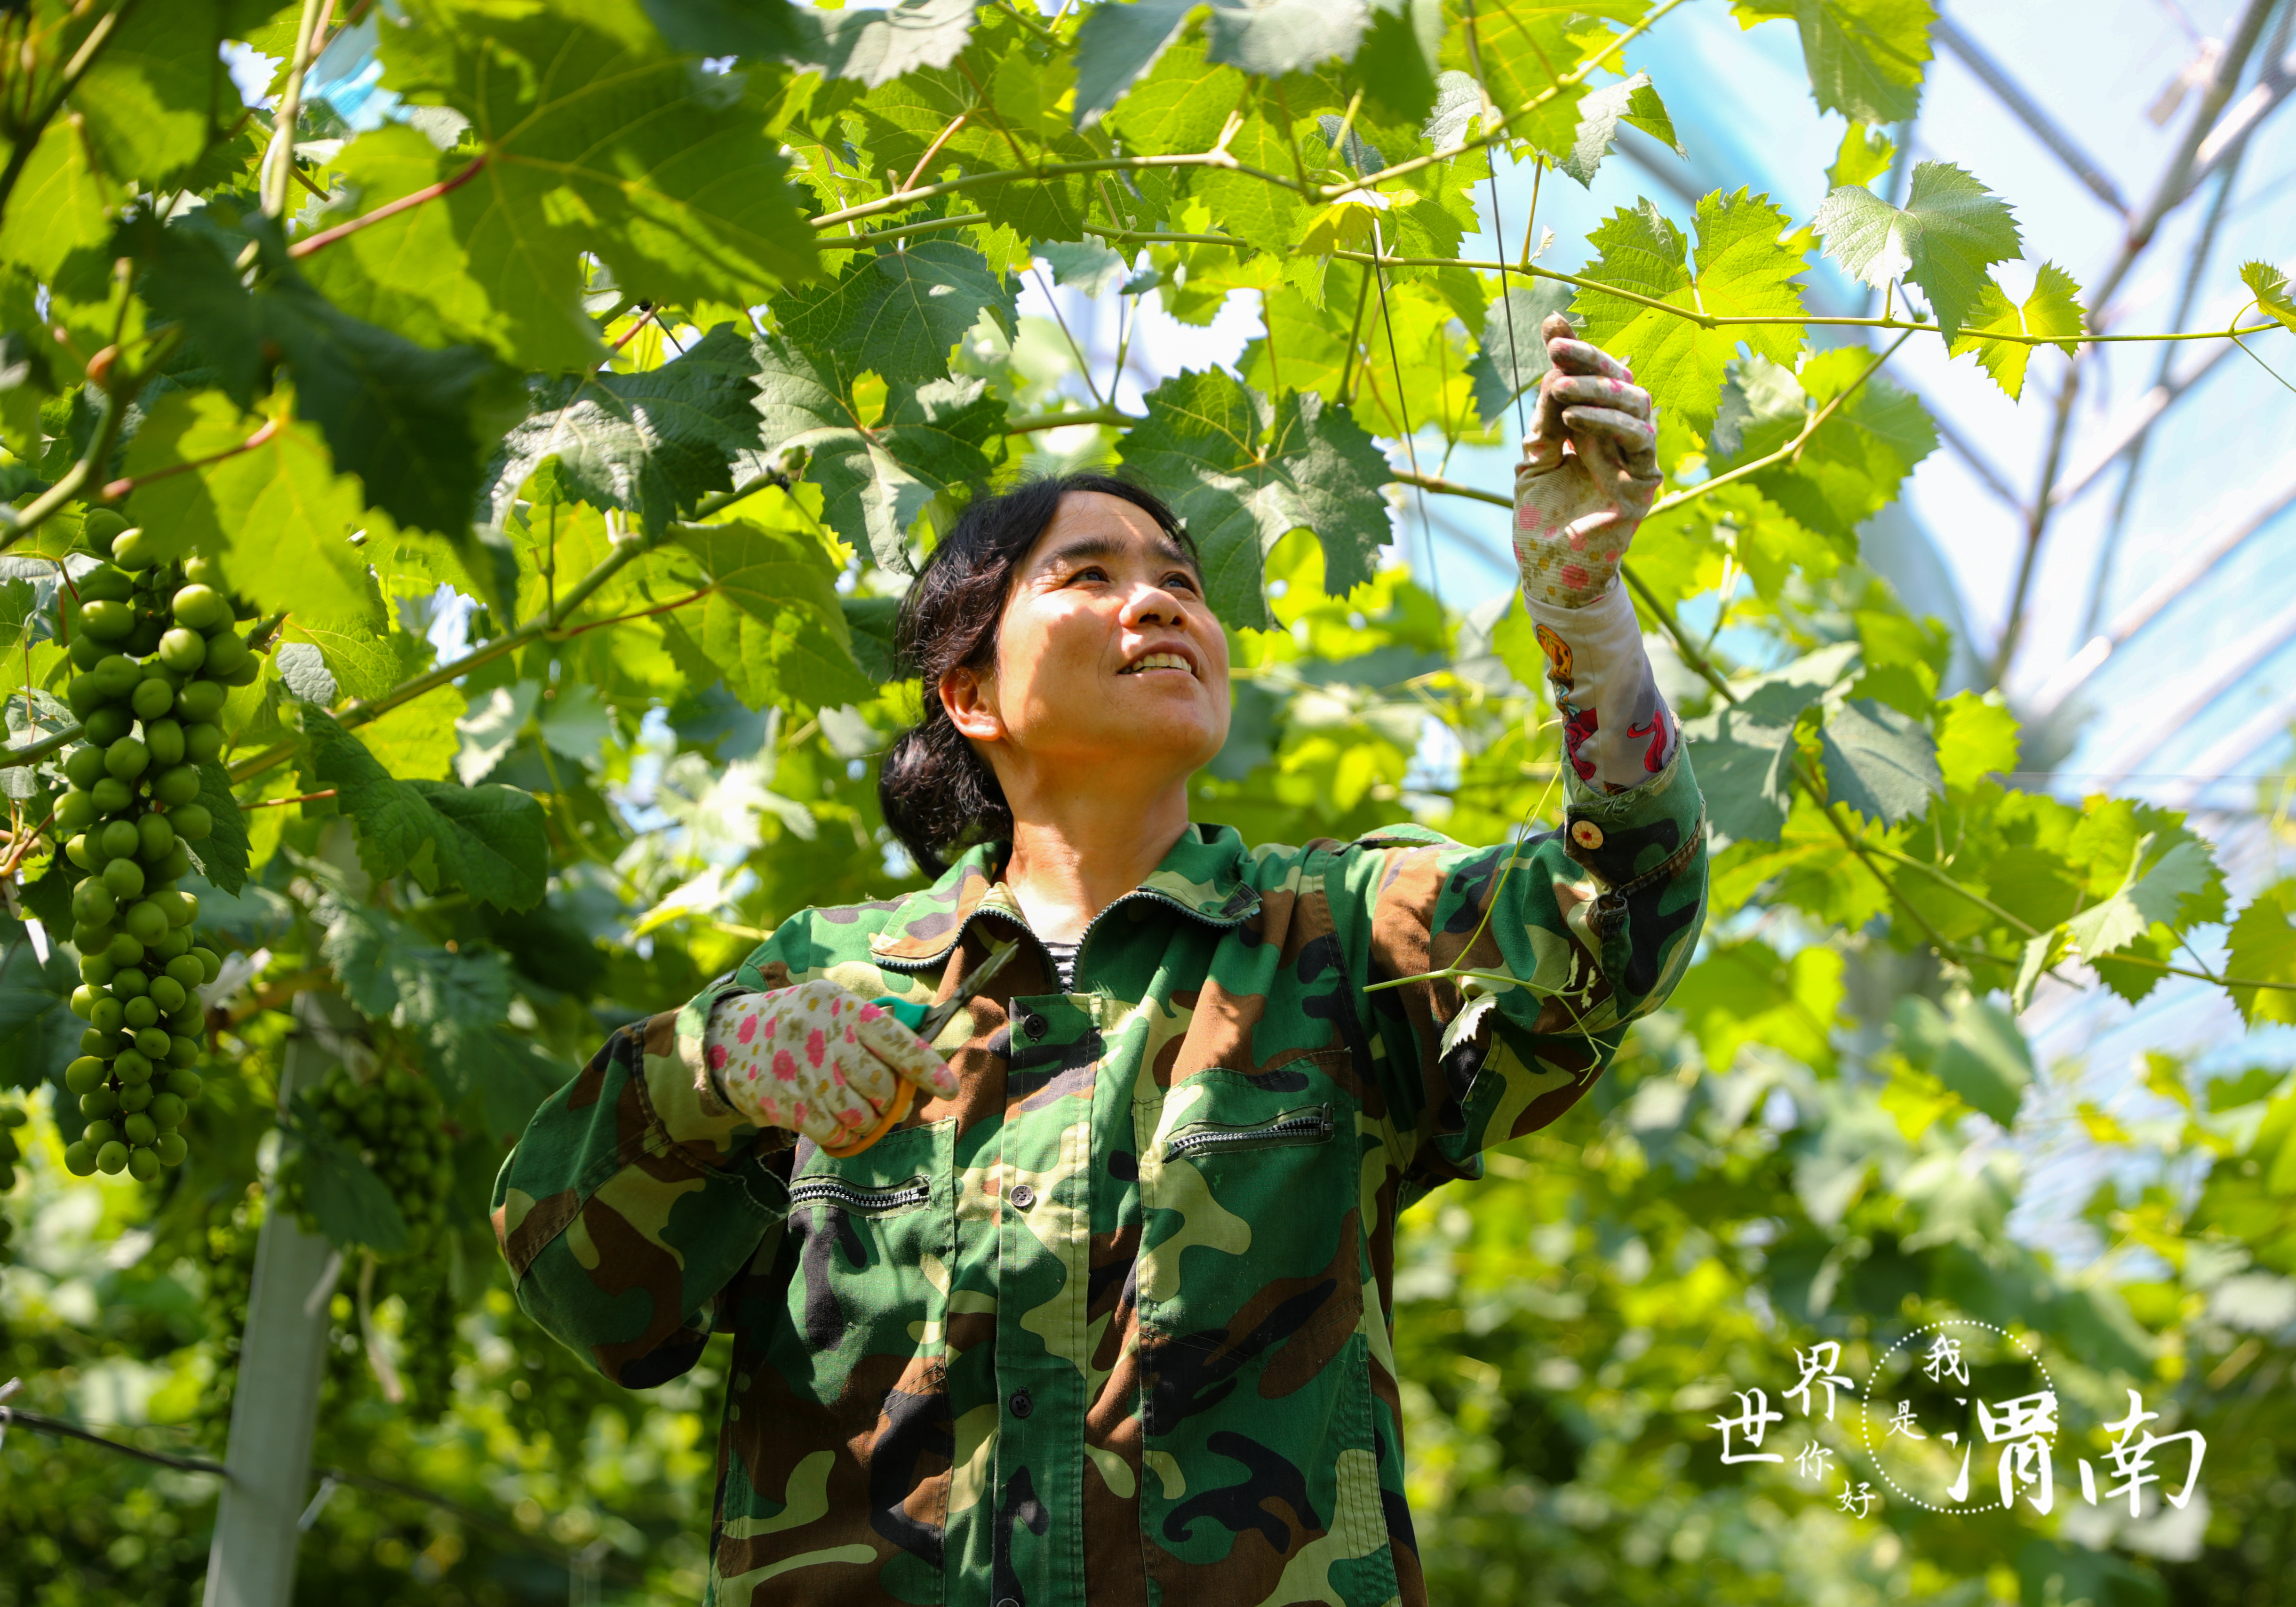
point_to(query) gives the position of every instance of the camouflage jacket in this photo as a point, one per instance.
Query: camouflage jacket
(1113, 1323)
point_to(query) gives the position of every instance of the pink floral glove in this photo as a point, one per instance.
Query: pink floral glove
(815, 1060)
(1588, 475)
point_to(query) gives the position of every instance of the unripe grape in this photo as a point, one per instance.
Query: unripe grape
(103, 1045)
(93, 903)
(144, 921)
(82, 697)
(182, 909)
(184, 1053)
(90, 937)
(96, 968)
(108, 1016)
(185, 969)
(112, 796)
(154, 695)
(99, 1133)
(185, 1083)
(139, 1012)
(82, 851)
(183, 649)
(201, 607)
(192, 822)
(174, 946)
(82, 1001)
(246, 674)
(170, 1149)
(200, 702)
(116, 674)
(209, 962)
(130, 1064)
(107, 620)
(201, 568)
(143, 1165)
(87, 652)
(130, 982)
(165, 738)
(155, 836)
(98, 1102)
(190, 1021)
(168, 995)
(128, 759)
(202, 744)
(83, 1075)
(125, 878)
(135, 549)
(175, 865)
(134, 1096)
(123, 950)
(119, 838)
(140, 1128)
(106, 726)
(80, 1160)
(84, 766)
(75, 812)
(154, 1041)
(226, 651)
(177, 785)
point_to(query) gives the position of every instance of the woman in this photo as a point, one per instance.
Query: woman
(1109, 1306)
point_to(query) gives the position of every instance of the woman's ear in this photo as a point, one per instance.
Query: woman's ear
(969, 699)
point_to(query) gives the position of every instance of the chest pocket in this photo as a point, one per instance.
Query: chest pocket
(1247, 1188)
(868, 1243)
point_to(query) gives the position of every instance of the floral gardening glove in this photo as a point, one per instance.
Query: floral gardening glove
(1589, 476)
(815, 1060)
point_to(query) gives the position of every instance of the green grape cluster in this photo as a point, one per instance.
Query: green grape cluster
(157, 654)
(12, 1116)
(397, 1123)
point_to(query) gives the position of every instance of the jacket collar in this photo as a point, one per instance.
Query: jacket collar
(1201, 875)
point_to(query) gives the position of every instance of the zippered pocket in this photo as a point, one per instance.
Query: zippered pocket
(1292, 1127)
(870, 1202)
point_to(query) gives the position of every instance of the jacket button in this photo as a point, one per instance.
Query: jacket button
(1586, 834)
(1023, 1196)
(1021, 1405)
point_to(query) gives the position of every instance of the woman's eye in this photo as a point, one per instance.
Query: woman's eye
(1091, 571)
(1182, 579)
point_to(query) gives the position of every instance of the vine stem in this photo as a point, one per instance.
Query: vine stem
(324, 238)
(279, 161)
(121, 488)
(28, 137)
(112, 413)
(359, 711)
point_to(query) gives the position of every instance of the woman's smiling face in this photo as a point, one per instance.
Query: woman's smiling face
(1107, 653)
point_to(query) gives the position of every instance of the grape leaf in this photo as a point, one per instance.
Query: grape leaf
(772, 622)
(1866, 57)
(39, 1034)
(438, 274)
(153, 96)
(898, 313)
(61, 204)
(2263, 950)
(1977, 737)
(1244, 472)
(878, 46)
(363, 656)
(1950, 230)
(1744, 755)
(2269, 286)
(1881, 762)
(2054, 309)
(1865, 154)
(1631, 101)
(1739, 270)
(487, 840)
(595, 137)
(1118, 43)
(1851, 465)
(2155, 892)
(755, 29)
(870, 621)
(874, 482)
(1746, 993)
(651, 444)
(1397, 59)
(284, 497)
(222, 857)
(1976, 1051)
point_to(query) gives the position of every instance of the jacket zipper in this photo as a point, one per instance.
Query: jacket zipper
(1314, 1125)
(916, 1191)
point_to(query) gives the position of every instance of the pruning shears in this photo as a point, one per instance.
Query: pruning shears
(926, 1020)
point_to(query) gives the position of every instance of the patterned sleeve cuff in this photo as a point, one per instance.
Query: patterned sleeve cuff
(685, 1093)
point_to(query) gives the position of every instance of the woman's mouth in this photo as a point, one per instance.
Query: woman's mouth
(1158, 661)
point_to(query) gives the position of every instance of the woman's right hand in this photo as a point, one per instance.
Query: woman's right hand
(813, 1058)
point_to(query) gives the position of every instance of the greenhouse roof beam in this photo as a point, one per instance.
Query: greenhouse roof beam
(2028, 111)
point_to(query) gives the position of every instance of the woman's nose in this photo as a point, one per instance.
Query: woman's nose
(1152, 604)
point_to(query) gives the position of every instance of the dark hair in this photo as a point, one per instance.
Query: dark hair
(938, 795)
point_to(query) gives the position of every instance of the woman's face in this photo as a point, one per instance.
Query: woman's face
(1108, 661)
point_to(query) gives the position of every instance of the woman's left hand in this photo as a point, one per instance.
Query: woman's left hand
(1589, 472)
